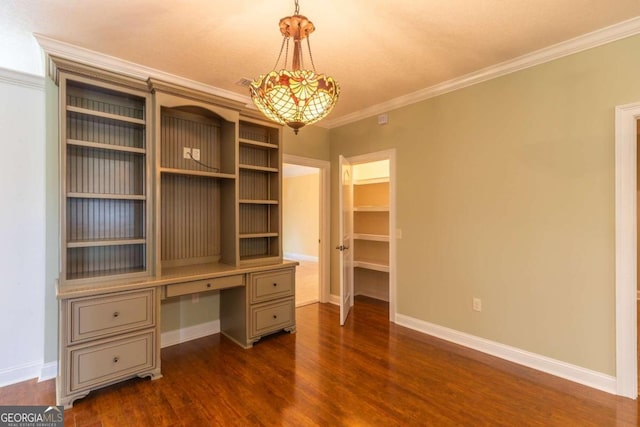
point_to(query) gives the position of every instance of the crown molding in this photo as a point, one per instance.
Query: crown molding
(18, 78)
(587, 41)
(92, 58)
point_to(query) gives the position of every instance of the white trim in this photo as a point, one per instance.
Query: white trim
(626, 250)
(189, 333)
(300, 257)
(551, 366)
(596, 38)
(334, 299)
(48, 371)
(131, 69)
(393, 274)
(324, 257)
(18, 78)
(19, 373)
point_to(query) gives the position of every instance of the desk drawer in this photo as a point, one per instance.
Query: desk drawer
(105, 315)
(205, 285)
(271, 285)
(270, 317)
(112, 360)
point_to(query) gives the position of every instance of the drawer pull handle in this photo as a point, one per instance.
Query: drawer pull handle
(208, 285)
(116, 359)
(275, 316)
(116, 314)
(275, 284)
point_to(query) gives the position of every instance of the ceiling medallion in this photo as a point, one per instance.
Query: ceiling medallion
(297, 96)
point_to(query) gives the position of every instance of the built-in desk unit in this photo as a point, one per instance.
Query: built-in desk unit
(164, 192)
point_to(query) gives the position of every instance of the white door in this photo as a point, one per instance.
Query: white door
(346, 239)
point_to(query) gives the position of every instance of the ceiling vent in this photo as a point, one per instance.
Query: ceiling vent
(244, 82)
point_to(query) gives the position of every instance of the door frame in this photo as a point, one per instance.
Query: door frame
(393, 235)
(626, 246)
(324, 231)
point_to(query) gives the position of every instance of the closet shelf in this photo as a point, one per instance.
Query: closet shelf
(371, 237)
(371, 208)
(103, 115)
(370, 181)
(372, 265)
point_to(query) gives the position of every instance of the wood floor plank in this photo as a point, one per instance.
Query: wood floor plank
(369, 372)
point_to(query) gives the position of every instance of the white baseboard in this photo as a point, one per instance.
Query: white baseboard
(334, 299)
(300, 257)
(190, 333)
(558, 368)
(24, 372)
(48, 371)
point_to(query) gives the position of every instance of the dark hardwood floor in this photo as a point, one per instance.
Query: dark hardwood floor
(369, 372)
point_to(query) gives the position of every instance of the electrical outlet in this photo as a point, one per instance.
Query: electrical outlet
(195, 152)
(195, 298)
(186, 152)
(477, 304)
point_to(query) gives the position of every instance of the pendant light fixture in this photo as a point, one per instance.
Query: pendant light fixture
(296, 96)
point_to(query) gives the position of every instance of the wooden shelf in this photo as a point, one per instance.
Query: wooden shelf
(257, 235)
(259, 168)
(371, 237)
(95, 113)
(257, 143)
(106, 196)
(197, 173)
(371, 265)
(105, 242)
(371, 208)
(258, 202)
(370, 181)
(101, 146)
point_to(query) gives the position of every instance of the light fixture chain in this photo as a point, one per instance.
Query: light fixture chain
(311, 56)
(297, 11)
(275, 66)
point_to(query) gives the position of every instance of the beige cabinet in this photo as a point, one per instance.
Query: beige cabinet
(164, 191)
(106, 338)
(264, 306)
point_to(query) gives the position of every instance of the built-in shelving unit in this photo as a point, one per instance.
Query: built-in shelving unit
(260, 188)
(164, 192)
(196, 204)
(104, 206)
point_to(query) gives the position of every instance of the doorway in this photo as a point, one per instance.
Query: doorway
(367, 230)
(638, 252)
(305, 215)
(626, 219)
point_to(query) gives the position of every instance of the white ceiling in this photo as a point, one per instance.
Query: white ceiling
(377, 50)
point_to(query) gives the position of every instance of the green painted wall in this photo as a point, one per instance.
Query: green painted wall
(311, 142)
(505, 191)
